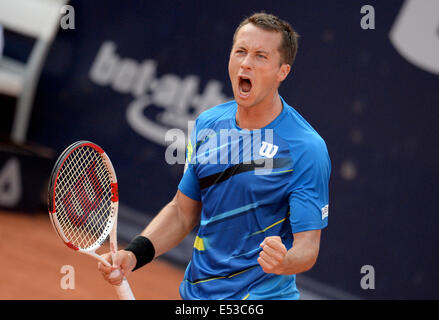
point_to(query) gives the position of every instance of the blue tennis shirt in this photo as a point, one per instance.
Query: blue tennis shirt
(252, 184)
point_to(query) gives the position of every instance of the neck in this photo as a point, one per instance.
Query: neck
(260, 115)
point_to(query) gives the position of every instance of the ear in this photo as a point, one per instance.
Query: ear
(283, 72)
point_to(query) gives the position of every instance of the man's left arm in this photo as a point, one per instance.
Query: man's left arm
(275, 258)
(308, 205)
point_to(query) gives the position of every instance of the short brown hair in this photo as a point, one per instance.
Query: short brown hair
(269, 22)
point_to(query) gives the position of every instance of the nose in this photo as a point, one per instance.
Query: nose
(246, 62)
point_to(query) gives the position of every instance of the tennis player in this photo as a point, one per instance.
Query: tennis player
(259, 207)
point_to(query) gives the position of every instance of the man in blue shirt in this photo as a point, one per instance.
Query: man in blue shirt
(255, 182)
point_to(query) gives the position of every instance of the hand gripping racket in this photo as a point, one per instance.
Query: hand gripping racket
(83, 202)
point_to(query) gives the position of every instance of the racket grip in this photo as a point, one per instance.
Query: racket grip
(124, 291)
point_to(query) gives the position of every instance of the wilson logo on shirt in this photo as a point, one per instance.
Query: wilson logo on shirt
(268, 150)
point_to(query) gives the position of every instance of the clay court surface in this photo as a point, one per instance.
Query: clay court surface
(32, 255)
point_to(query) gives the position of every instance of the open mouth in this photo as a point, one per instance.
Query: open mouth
(245, 85)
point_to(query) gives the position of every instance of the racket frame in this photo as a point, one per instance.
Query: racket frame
(124, 291)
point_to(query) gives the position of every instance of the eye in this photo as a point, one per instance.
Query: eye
(261, 56)
(239, 51)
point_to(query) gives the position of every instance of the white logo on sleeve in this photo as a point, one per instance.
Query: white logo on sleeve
(325, 211)
(268, 150)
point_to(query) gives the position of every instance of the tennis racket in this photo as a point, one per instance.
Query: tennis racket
(83, 202)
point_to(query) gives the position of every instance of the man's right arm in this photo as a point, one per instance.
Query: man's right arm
(168, 228)
(173, 223)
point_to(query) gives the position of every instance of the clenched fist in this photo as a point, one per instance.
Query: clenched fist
(272, 256)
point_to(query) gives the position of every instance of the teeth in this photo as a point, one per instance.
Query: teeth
(244, 93)
(244, 85)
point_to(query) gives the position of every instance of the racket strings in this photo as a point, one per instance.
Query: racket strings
(82, 234)
(67, 216)
(83, 198)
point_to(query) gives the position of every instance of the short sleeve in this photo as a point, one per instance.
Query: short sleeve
(309, 188)
(189, 184)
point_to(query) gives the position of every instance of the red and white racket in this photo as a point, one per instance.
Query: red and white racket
(83, 202)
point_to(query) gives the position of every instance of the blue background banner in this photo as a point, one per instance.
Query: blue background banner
(129, 72)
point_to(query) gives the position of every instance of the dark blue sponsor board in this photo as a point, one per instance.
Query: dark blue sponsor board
(128, 73)
(24, 177)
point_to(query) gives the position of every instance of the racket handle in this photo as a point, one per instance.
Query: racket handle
(124, 291)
